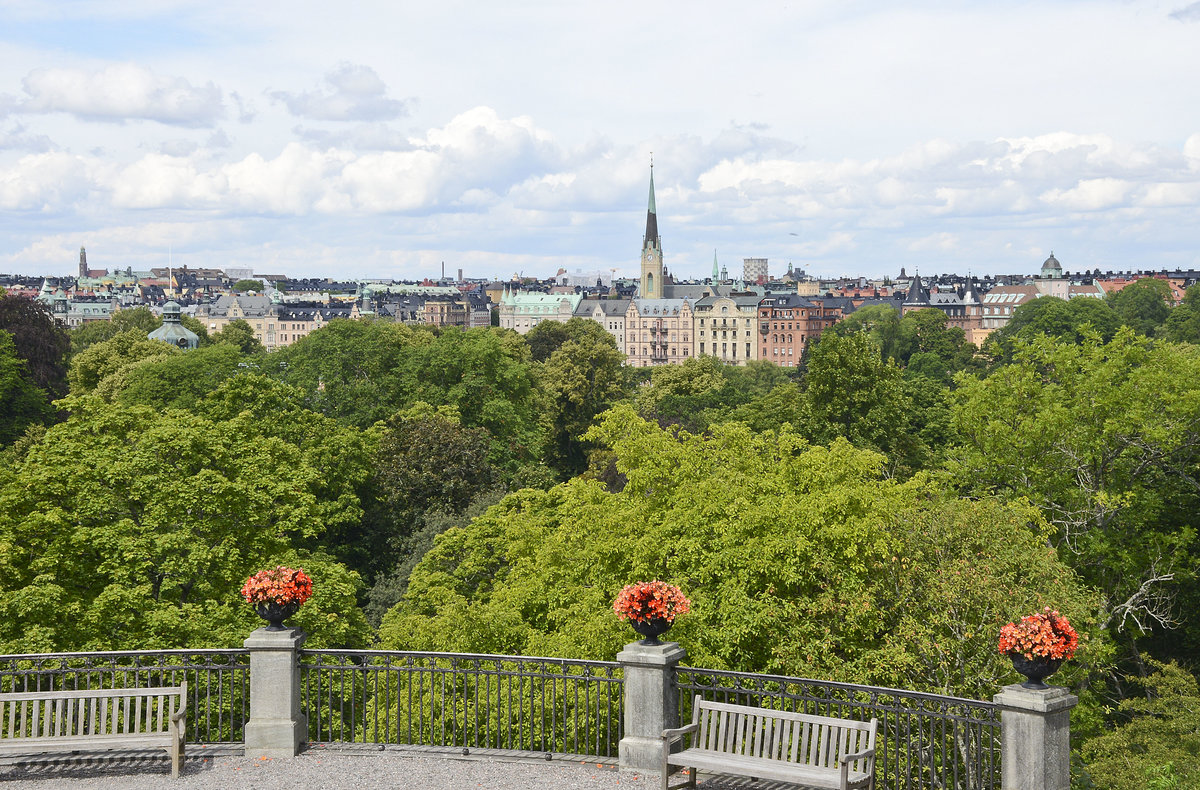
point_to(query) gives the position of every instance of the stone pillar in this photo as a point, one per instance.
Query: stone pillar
(1035, 738)
(651, 702)
(276, 727)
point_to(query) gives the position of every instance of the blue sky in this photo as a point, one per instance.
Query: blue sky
(379, 139)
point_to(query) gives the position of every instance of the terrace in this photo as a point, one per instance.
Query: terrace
(445, 720)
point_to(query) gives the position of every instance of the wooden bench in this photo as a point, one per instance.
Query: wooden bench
(817, 751)
(32, 722)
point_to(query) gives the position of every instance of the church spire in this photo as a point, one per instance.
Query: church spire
(652, 256)
(716, 272)
(651, 239)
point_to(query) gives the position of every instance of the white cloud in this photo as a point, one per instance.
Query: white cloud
(121, 92)
(50, 182)
(351, 93)
(1091, 194)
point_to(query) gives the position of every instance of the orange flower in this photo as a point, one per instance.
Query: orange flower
(642, 602)
(281, 585)
(1046, 634)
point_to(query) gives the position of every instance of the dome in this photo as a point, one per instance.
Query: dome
(174, 332)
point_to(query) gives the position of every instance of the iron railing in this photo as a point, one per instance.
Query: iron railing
(218, 681)
(925, 740)
(521, 703)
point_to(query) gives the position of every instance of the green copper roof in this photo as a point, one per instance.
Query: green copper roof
(651, 238)
(716, 273)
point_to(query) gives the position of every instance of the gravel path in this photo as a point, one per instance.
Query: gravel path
(324, 771)
(327, 770)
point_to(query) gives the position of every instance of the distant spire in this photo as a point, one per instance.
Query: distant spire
(716, 272)
(651, 238)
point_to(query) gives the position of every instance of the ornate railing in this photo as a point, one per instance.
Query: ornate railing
(218, 681)
(520, 703)
(925, 740)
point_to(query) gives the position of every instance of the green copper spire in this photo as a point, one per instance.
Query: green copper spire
(716, 272)
(651, 239)
(650, 207)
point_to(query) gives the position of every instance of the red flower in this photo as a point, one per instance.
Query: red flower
(1046, 634)
(281, 585)
(645, 601)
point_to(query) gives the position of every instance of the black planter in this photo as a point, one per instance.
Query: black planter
(275, 613)
(1035, 669)
(651, 629)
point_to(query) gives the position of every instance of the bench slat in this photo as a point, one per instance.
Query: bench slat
(778, 745)
(811, 776)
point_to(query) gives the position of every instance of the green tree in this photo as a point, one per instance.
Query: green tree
(880, 321)
(352, 370)
(786, 551)
(1070, 321)
(130, 527)
(240, 335)
(38, 340)
(1183, 322)
(21, 402)
(1104, 439)
(1156, 742)
(241, 286)
(583, 377)
(851, 391)
(90, 366)
(1142, 305)
(175, 381)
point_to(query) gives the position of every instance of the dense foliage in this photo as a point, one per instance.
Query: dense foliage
(874, 515)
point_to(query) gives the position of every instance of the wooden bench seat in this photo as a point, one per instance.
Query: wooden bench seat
(35, 722)
(816, 751)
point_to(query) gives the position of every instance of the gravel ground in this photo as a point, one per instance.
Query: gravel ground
(323, 770)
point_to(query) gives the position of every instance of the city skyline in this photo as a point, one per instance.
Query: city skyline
(382, 140)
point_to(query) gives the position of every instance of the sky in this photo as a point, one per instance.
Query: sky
(369, 139)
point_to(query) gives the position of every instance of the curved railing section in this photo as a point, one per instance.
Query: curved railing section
(557, 706)
(926, 740)
(218, 681)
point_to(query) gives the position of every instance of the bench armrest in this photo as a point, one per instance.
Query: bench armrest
(678, 732)
(846, 758)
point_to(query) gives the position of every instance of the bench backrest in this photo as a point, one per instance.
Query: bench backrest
(779, 735)
(110, 712)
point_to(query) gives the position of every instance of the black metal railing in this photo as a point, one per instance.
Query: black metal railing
(925, 740)
(218, 681)
(521, 703)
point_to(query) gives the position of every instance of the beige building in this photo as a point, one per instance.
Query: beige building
(608, 313)
(274, 324)
(658, 332)
(726, 328)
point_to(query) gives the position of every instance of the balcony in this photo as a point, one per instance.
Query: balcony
(503, 721)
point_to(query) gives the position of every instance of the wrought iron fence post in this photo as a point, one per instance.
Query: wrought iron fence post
(1035, 737)
(651, 702)
(276, 728)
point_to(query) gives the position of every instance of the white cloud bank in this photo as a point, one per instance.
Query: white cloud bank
(509, 182)
(352, 93)
(121, 92)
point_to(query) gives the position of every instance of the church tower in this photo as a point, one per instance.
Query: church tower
(83, 269)
(652, 257)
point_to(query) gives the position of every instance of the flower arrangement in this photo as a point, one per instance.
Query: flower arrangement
(645, 601)
(278, 585)
(1045, 634)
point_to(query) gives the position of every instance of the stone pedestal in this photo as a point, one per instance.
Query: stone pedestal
(276, 727)
(1035, 738)
(651, 702)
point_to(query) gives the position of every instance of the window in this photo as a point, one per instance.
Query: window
(701, 348)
